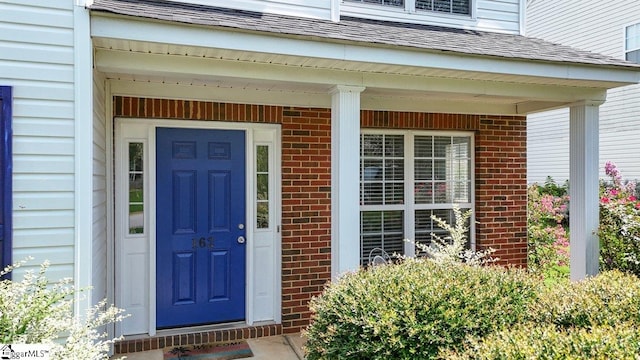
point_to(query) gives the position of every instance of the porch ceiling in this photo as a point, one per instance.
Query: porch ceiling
(156, 69)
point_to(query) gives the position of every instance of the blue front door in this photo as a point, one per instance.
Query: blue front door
(200, 230)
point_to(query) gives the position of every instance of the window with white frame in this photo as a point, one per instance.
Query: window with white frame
(458, 7)
(632, 43)
(405, 178)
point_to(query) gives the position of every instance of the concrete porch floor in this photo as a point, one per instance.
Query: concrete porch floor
(280, 347)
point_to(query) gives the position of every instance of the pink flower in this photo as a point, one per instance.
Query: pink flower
(604, 200)
(614, 192)
(632, 198)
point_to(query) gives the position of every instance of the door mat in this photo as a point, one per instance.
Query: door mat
(239, 350)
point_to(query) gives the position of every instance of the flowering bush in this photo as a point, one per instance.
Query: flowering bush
(35, 311)
(619, 229)
(452, 248)
(548, 230)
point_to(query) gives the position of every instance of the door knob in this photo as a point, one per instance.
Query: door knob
(241, 240)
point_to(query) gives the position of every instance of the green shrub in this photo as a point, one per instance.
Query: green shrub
(413, 309)
(607, 299)
(33, 311)
(548, 342)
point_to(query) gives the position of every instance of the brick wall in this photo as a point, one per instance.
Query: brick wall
(306, 181)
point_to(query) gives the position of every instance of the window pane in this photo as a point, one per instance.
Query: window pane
(136, 188)
(383, 230)
(423, 192)
(262, 186)
(442, 5)
(262, 158)
(633, 56)
(371, 145)
(394, 145)
(423, 146)
(461, 7)
(381, 169)
(394, 169)
(262, 215)
(441, 193)
(423, 169)
(394, 193)
(441, 145)
(424, 4)
(440, 169)
(425, 226)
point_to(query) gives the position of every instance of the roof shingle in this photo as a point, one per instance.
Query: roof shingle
(363, 31)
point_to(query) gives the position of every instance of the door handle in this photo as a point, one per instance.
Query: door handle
(241, 240)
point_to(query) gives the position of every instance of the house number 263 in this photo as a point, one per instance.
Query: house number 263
(202, 242)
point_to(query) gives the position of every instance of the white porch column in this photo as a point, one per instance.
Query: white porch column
(345, 165)
(583, 189)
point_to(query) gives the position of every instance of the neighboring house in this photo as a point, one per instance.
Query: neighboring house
(203, 165)
(611, 28)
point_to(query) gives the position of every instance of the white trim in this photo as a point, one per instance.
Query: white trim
(583, 190)
(272, 131)
(522, 16)
(109, 176)
(83, 154)
(345, 212)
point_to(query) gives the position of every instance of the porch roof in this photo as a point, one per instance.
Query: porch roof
(296, 61)
(371, 32)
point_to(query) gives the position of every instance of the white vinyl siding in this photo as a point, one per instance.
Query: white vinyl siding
(100, 225)
(36, 58)
(486, 15)
(599, 27)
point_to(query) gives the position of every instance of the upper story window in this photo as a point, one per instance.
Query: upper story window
(445, 6)
(459, 7)
(632, 43)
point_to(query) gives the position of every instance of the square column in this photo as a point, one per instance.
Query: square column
(345, 175)
(583, 190)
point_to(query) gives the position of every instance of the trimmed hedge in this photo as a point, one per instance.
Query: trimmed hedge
(421, 309)
(549, 342)
(610, 298)
(414, 309)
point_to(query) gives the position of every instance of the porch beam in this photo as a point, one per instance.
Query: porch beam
(435, 104)
(583, 189)
(345, 165)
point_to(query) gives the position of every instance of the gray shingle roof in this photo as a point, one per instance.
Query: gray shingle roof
(363, 31)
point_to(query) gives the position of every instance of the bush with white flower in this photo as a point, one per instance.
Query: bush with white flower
(35, 311)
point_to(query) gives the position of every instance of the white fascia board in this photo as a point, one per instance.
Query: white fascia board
(201, 36)
(125, 62)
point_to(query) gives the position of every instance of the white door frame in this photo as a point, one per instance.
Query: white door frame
(263, 290)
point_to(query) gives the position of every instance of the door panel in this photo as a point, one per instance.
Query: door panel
(200, 274)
